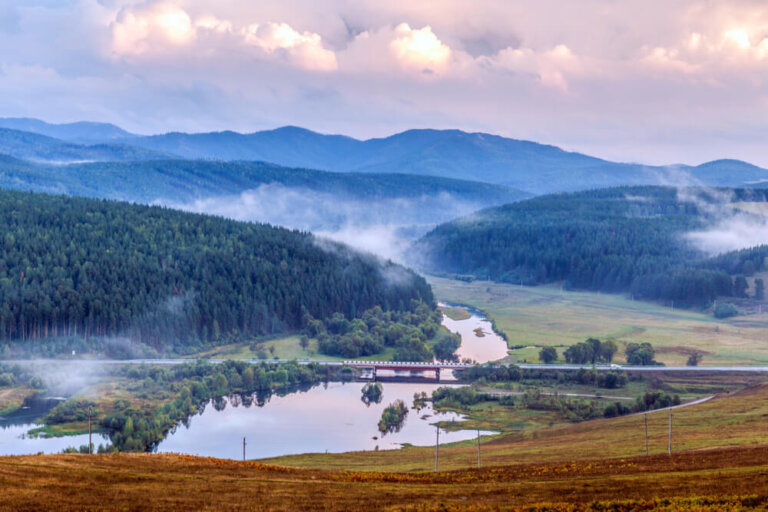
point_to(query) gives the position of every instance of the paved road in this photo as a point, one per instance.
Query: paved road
(501, 392)
(687, 404)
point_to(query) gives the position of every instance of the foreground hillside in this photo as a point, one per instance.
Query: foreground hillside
(612, 240)
(701, 481)
(76, 268)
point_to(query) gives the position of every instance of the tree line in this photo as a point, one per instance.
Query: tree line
(408, 332)
(174, 281)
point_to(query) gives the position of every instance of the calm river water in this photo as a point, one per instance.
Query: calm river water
(325, 418)
(14, 427)
(331, 419)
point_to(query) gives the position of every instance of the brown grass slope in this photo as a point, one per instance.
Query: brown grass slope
(174, 482)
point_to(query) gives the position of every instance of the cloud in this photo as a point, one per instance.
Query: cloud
(304, 49)
(159, 27)
(549, 66)
(420, 49)
(151, 26)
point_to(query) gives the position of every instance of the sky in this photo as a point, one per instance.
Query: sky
(652, 81)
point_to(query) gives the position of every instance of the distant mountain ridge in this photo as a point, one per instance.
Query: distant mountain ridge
(81, 131)
(524, 165)
(37, 147)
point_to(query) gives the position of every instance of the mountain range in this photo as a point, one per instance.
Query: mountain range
(187, 180)
(524, 165)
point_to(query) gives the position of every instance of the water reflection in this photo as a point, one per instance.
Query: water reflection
(328, 418)
(14, 427)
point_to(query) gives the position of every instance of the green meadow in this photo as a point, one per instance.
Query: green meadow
(534, 317)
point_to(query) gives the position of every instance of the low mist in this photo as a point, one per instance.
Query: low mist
(740, 231)
(64, 378)
(730, 228)
(381, 226)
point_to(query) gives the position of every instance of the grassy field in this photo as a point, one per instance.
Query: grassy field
(13, 398)
(456, 313)
(491, 415)
(548, 316)
(176, 482)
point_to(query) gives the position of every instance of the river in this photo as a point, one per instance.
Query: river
(14, 427)
(329, 417)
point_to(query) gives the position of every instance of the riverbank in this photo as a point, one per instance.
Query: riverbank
(11, 399)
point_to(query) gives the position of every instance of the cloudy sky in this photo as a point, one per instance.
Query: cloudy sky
(655, 81)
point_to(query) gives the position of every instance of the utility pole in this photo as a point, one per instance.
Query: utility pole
(669, 445)
(243, 449)
(478, 448)
(90, 444)
(437, 444)
(646, 433)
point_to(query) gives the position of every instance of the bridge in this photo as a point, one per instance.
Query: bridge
(373, 366)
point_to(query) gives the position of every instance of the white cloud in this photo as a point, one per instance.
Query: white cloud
(154, 29)
(213, 24)
(303, 48)
(549, 67)
(138, 30)
(420, 49)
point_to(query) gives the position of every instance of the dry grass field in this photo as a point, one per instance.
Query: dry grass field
(175, 482)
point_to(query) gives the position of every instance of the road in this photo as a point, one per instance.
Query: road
(501, 392)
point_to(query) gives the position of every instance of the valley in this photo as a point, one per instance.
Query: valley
(244, 327)
(538, 316)
(383, 256)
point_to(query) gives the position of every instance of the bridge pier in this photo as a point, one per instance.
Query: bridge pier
(437, 374)
(374, 374)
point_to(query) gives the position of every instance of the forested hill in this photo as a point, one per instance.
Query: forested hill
(187, 180)
(174, 281)
(614, 240)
